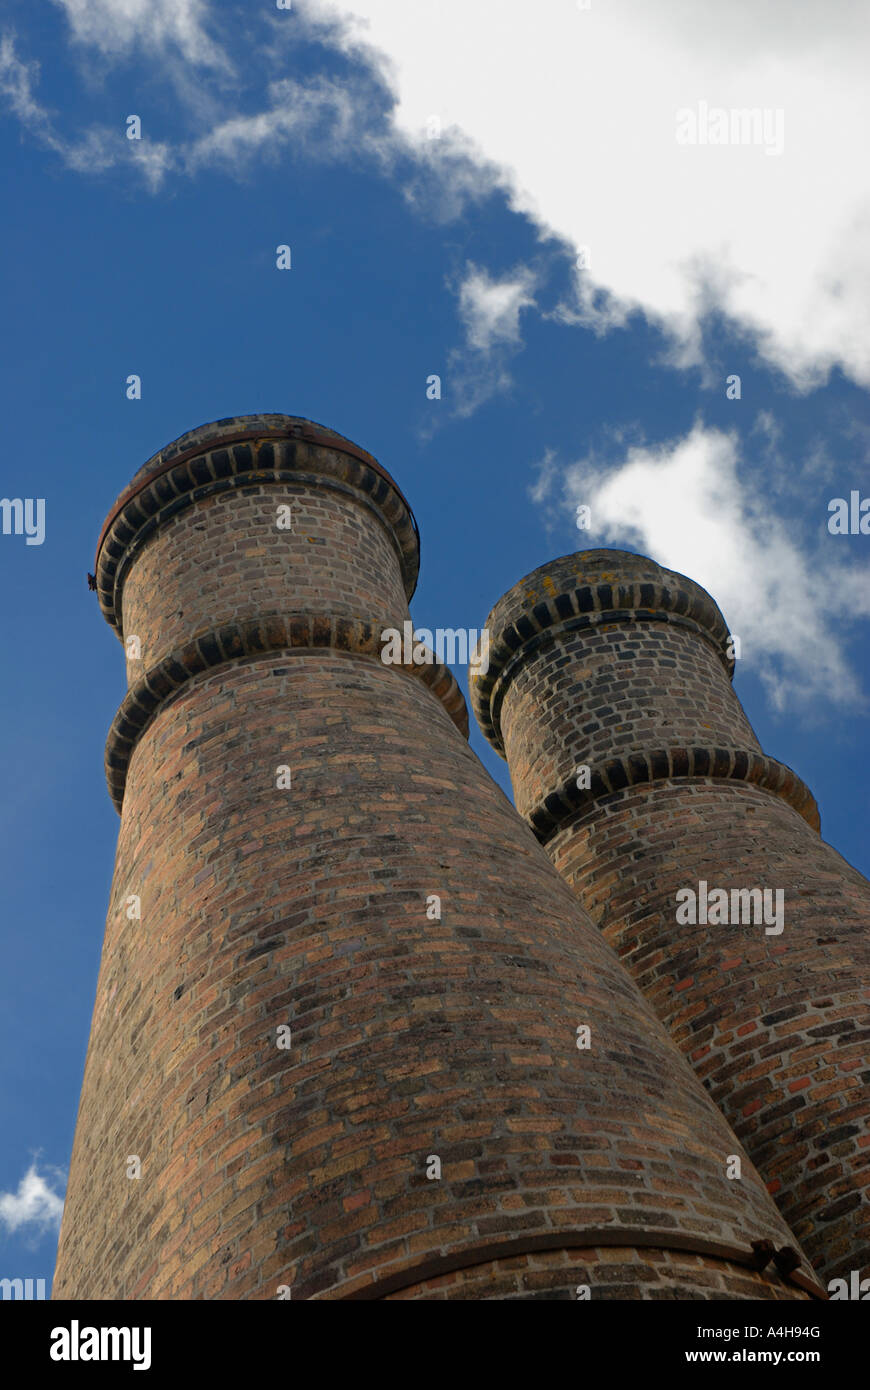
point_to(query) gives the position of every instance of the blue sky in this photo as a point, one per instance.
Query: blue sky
(436, 174)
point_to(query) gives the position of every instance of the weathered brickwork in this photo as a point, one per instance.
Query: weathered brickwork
(305, 907)
(338, 564)
(590, 668)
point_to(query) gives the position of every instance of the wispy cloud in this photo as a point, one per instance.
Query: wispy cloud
(329, 118)
(489, 309)
(116, 27)
(693, 505)
(17, 80)
(97, 150)
(37, 1206)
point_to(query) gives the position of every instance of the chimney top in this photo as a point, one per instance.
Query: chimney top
(235, 452)
(583, 590)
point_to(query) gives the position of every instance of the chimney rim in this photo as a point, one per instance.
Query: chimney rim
(239, 429)
(582, 589)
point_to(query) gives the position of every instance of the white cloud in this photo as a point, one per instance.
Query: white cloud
(490, 312)
(36, 1206)
(548, 473)
(17, 80)
(154, 159)
(322, 112)
(118, 26)
(578, 107)
(327, 115)
(691, 506)
(573, 115)
(490, 309)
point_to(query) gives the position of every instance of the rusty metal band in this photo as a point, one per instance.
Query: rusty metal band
(755, 1258)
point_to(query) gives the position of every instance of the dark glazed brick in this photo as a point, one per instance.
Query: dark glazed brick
(221, 464)
(200, 471)
(680, 762)
(244, 457)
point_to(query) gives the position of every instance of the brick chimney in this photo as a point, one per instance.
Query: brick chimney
(354, 1037)
(609, 693)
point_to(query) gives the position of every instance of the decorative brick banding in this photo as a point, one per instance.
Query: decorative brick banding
(275, 633)
(672, 764)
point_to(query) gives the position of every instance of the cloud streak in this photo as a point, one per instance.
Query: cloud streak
(489, 309)
(116, 27)
(99, 149)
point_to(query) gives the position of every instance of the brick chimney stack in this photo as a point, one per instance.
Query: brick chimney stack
(609, 693)
(354, 1037)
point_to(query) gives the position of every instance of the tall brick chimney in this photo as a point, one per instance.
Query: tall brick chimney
(609, 693)
(354, 1037)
